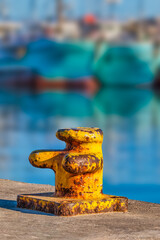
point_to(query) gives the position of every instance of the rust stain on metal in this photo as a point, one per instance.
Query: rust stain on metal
(78, 176)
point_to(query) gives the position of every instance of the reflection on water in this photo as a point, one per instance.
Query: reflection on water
(130, 119)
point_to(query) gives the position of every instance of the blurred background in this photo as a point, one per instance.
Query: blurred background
(66, 63)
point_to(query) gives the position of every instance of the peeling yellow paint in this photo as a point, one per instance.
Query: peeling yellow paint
(78, 168)
(78, 176)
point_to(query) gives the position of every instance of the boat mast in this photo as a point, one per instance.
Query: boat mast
(33, 7)
(141, 13)
(112, 5)
(4, 10)
(141, 9)
(59, 11)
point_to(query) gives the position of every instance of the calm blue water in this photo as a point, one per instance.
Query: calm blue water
(129, 118)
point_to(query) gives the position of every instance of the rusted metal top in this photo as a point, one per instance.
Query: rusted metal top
(81, 134)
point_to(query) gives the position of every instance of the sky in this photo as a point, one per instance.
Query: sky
(40, 9)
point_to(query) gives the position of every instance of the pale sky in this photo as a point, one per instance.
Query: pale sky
(25, 9)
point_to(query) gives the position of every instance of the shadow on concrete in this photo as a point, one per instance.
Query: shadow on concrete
(12, 205)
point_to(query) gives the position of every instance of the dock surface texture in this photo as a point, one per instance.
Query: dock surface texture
(141, 222)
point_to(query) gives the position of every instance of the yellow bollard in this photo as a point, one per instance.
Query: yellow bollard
(78, 177)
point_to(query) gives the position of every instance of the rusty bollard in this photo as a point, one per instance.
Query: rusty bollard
(78, 177)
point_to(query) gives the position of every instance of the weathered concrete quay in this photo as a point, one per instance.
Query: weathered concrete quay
(141, 222)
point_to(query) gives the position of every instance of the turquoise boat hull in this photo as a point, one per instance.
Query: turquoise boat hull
(129, 65)
(126, 65)
(54, 60)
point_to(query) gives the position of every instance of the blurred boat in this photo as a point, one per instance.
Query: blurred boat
(52, 60)
(127, 65)
(116, 65)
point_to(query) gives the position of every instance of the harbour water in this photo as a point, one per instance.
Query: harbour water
(129, 118)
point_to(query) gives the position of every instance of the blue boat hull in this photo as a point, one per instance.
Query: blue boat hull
(130, 65)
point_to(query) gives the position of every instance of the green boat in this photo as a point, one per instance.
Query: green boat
(126, 65)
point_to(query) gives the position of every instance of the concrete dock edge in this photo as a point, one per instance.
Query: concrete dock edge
(141, 222)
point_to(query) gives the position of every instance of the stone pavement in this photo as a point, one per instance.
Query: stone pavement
(141, 222)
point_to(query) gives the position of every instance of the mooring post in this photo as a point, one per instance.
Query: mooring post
(78, 177)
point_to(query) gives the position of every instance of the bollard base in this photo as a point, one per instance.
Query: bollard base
(48, 203)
